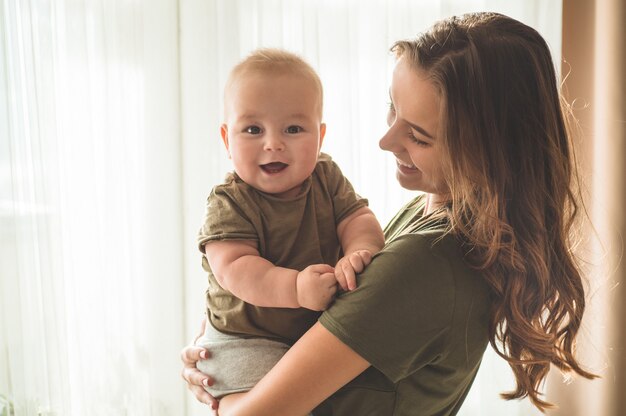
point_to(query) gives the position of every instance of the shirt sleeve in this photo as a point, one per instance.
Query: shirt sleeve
(399, 316)
(345, 199)
(225, 218)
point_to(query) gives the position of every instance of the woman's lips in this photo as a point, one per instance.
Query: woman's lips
(404, 167)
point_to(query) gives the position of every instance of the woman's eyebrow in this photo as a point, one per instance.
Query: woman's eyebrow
(421, 130)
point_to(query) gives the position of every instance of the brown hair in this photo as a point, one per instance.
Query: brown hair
(272, 62)
(509, 166)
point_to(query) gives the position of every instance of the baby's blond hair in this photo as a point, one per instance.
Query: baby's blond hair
(272, 62)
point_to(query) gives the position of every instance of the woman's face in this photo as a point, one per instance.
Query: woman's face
(413, 121)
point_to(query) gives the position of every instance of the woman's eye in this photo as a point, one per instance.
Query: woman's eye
(252, 130)
(293, 129)
(417, 140)
(391, 116)
(391, 113)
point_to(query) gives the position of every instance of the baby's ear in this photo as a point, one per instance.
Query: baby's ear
(322, 133)
(224, 134)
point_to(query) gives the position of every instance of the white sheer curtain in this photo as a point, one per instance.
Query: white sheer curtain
(90, 257)
(109, 116)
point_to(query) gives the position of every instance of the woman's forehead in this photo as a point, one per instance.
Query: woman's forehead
(414, 95)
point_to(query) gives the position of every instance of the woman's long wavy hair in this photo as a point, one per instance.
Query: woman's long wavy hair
(511, 172)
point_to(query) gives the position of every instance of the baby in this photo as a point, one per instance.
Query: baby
(278, 223)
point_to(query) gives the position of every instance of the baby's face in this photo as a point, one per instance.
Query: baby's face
(273, 131)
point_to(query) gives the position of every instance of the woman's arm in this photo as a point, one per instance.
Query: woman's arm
(313, 369)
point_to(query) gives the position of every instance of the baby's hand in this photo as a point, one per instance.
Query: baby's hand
(348, 266)
(316, 287)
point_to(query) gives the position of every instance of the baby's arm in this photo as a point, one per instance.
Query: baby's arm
(239, 268)
(361, 237)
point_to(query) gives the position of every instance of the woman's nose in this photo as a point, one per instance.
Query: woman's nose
(388, 142)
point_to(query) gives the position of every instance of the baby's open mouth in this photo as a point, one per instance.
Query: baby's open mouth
(274, 167)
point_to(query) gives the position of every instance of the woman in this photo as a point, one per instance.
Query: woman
(484, 256)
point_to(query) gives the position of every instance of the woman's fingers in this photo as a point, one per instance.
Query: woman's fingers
(191, 354)
(195, 377)
(203, 397)
(197, 380)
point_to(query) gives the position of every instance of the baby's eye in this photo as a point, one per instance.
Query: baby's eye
(294, 129)
(252, 130)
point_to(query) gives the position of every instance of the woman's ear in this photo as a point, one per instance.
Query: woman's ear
(224, 134)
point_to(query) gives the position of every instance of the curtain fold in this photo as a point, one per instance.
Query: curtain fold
(90, 270)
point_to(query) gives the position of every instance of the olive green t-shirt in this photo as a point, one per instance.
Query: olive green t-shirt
(419, 316)
(292, 233)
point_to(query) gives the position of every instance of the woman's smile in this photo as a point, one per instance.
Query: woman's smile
(405, 167)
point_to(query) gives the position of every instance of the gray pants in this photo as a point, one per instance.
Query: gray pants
(237, 364)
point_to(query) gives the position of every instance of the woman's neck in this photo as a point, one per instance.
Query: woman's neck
(434, 202)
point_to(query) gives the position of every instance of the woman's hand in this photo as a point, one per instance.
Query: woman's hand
(196, 380)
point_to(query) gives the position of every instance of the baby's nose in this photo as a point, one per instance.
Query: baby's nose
(274, 143)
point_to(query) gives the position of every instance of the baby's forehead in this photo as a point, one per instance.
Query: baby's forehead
(257, 76)
(272, 73)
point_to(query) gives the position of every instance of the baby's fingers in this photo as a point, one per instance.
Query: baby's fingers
(328, 280)
(321, 268)
(360, 259)
(365, 256)
(329, 285)
(349, 275)
(340, 277)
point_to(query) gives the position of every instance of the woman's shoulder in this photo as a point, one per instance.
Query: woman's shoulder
(430, 259)
(418, 256)
(422, 235)
(422, 270)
